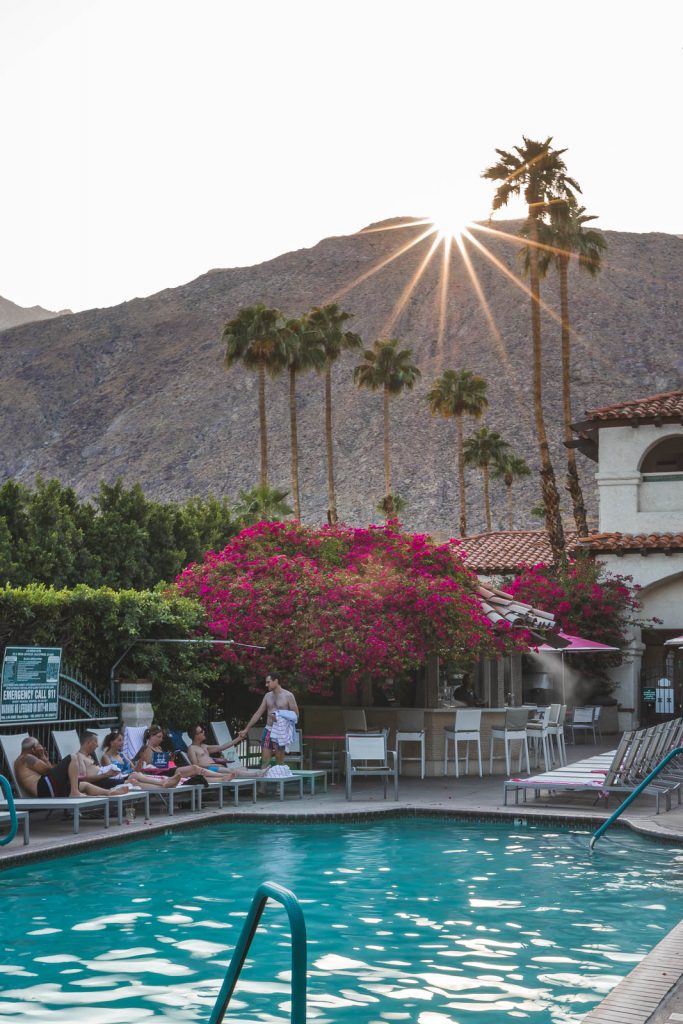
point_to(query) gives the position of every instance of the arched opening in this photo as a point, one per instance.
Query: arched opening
(661, 479)
(664, 457)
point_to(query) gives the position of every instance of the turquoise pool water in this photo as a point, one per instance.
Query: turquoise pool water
(416, 920)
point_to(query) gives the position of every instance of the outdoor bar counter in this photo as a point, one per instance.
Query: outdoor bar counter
(329, 721)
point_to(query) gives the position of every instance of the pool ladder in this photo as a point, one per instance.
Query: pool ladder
(266, 891)
(636, 792)
(13, 820)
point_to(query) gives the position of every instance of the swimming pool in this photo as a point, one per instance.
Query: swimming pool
(418, 920)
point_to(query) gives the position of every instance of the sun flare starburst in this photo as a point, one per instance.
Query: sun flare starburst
(450, 218)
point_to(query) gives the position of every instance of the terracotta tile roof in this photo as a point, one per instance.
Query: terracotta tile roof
(500, 606)
(622, 543)
(496, 553)
(664, 407)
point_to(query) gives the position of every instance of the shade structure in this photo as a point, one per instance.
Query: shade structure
(677, 641)
(575, 644)
(579, 643)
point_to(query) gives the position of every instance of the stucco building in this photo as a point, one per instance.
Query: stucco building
(638, 448)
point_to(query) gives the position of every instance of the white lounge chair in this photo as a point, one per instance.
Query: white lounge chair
(11, 748)
(22, 817)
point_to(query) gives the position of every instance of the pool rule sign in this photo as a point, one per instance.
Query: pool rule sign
(30, 684)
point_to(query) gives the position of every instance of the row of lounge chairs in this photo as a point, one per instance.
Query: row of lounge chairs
(192, 796)
(618, 771)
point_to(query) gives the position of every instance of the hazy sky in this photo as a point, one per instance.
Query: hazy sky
(147, 141)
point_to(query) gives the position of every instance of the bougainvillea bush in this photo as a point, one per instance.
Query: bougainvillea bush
(341, 604)
(586, 600)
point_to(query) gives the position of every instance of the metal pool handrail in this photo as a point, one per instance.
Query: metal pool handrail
(636, 792)
(265, 891)
(13, 820)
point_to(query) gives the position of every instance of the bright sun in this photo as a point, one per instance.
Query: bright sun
(450, 218)
(452, 212)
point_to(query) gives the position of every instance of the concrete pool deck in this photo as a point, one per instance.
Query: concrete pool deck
(651, 994)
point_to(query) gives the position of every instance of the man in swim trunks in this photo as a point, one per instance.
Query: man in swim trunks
(276, 699)
(199, 752)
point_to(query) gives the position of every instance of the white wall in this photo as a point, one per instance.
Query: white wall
(627, 504)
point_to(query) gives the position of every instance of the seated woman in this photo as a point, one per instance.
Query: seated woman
(153, 761)
(112, 754)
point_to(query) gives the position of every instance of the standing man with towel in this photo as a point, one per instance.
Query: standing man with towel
(282, 714)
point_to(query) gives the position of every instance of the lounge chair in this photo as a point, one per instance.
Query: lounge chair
(11, 748)
(22, 817)
(602, 775)
(66, 742)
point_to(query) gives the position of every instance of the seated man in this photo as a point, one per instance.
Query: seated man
(199, 753)
(38, 777)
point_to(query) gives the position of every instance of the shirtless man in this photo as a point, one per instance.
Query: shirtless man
(276, 699)
(199, 752)
(38, 777)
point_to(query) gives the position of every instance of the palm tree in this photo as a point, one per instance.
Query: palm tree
(304, 351)
(256, 338)
(329, 322)
(261, 504)
(507, 468)
(538, 172)
(459, 393)
(565, 236)
(387, 367)
(483, 448)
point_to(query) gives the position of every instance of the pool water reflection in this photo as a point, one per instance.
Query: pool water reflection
(418, 920)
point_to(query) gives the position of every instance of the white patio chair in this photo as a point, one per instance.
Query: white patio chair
(513, 731)
(583, 720)
(466, 729)
(355, 720)
(538, 732)
(367, 754)
(557, 732)
(410, 728)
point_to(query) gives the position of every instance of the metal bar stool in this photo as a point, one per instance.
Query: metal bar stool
(410, 728)
(466, 728)
(514, 730)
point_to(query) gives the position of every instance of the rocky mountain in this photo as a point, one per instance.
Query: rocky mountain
(12, 315)
(140, 390)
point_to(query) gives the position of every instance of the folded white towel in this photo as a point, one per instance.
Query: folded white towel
(279, 771)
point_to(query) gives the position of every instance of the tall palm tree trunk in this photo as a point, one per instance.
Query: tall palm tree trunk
(387, 464)
(294, 443)
(573, 483)
(263, 425)
(461, 476)
(508, 495)
(487, 498)
(551, 498)
(331, 499)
